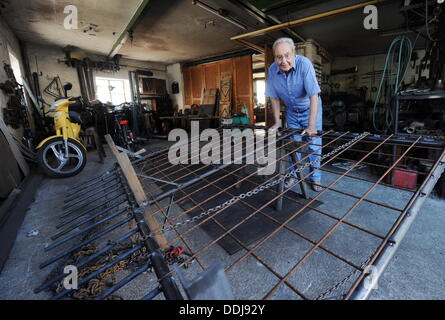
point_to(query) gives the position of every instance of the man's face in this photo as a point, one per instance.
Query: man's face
(284, 56)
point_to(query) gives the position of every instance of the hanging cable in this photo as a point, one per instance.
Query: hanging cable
(398, 61)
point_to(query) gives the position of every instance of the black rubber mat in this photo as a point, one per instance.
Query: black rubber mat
(255, 228)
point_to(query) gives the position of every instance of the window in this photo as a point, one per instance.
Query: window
(116, 91)
(15, 65)
(261, 91)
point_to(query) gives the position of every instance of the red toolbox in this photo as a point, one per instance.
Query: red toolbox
(404, 178)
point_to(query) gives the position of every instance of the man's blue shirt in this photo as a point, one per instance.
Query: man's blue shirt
(297, 87)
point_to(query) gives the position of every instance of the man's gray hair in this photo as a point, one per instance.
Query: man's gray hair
(284, 40)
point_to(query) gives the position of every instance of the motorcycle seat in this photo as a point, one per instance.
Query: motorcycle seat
(75, 117)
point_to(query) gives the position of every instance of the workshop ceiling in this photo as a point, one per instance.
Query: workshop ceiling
(42, 21)
(178, 31)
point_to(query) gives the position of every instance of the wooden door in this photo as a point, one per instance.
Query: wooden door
(208, 76)
(211, 75)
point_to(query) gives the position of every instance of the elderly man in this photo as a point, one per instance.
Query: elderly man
(292, 79)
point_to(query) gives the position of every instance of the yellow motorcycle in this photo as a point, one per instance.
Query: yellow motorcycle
(63, 155)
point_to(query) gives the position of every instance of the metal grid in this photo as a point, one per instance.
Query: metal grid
(320, 249)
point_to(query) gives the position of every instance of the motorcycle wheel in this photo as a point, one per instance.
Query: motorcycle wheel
(51, 158)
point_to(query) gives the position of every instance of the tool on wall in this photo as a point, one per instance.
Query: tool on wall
(17, 112)
(54, 88)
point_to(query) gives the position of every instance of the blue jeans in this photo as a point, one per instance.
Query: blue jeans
(300, 120)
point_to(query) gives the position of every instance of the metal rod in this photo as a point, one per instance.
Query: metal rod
(158, 180)
(87, 260)
(396, 140)
(304, 20)
(219, 14)
(90, 227)
(294, 215)
(88, 196)
(275, 221)
(318, 210)
(76, 195)
(161, 269)
(152, 294)
(93, 181)
(185, 212)
(123, 282)
(90, 218)
(386, 251)
(91, 201)
(248, 217)
(83, 243)
(246, 248)
(71, 219)
(311, 251)
(96, 273)
(208, 173)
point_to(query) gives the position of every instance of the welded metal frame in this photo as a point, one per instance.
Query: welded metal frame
(388, 240)
(120, 201)
(161, 182)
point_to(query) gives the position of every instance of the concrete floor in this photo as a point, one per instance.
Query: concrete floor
(415, 272)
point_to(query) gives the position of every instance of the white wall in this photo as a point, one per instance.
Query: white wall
(46, 61)
(174, 73)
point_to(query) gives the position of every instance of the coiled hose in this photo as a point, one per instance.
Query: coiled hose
(398, 60)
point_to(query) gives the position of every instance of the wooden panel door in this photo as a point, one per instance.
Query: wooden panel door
(211, 74)
(187, 85)
(208, 76)
(197, 82)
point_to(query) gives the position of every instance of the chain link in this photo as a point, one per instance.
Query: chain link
(257, 189)
(341, 282)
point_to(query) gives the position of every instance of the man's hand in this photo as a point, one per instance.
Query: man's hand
(309, 131)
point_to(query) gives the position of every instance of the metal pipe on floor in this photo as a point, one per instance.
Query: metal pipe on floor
(361, 288)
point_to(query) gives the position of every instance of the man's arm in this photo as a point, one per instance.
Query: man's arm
(311, 130)
(276, 112)
(313, 89)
